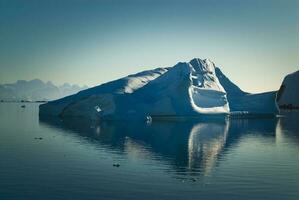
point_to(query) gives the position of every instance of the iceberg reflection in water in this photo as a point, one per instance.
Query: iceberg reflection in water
(286, 127)
(255, 158)
(189, 148)
(206, 142)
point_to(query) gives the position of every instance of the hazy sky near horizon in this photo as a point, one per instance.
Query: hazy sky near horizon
(254, 42)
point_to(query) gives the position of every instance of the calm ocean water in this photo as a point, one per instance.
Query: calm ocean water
(73, 159)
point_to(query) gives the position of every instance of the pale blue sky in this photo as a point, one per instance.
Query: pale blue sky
(255, 43)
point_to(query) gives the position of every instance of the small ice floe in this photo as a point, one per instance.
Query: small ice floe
(148, 119)
(97, 108)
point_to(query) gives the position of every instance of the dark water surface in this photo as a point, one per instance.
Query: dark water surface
(73, 159)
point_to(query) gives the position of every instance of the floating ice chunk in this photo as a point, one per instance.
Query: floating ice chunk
(97, 108)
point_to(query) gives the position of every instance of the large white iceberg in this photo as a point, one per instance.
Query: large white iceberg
(188, 89)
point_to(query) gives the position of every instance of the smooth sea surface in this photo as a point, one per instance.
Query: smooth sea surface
(73, 159)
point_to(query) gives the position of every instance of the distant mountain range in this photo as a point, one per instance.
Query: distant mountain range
(36, 90)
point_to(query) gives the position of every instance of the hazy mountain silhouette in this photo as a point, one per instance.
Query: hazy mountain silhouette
(36, 90)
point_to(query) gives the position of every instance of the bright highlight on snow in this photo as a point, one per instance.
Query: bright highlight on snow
(188, 89)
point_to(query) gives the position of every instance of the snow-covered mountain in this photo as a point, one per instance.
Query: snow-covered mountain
(192, 88)
(288, 94)
(36, 90)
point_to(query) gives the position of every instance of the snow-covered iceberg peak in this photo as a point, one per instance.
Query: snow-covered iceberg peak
(186, 89)
(206, 93)
(203, 66)
(205, 75)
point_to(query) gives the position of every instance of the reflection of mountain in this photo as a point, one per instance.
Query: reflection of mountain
(241, 127)
(287, 127)
(190, 148)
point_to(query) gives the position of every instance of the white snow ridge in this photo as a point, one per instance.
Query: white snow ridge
(188, 89)
(206, 93)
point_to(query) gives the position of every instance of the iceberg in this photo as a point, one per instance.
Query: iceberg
(188, 89)
(99, 99)
(241, 102)
(288, 95)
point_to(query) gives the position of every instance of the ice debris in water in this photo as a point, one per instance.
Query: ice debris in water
(148, 119)
(98, 109)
